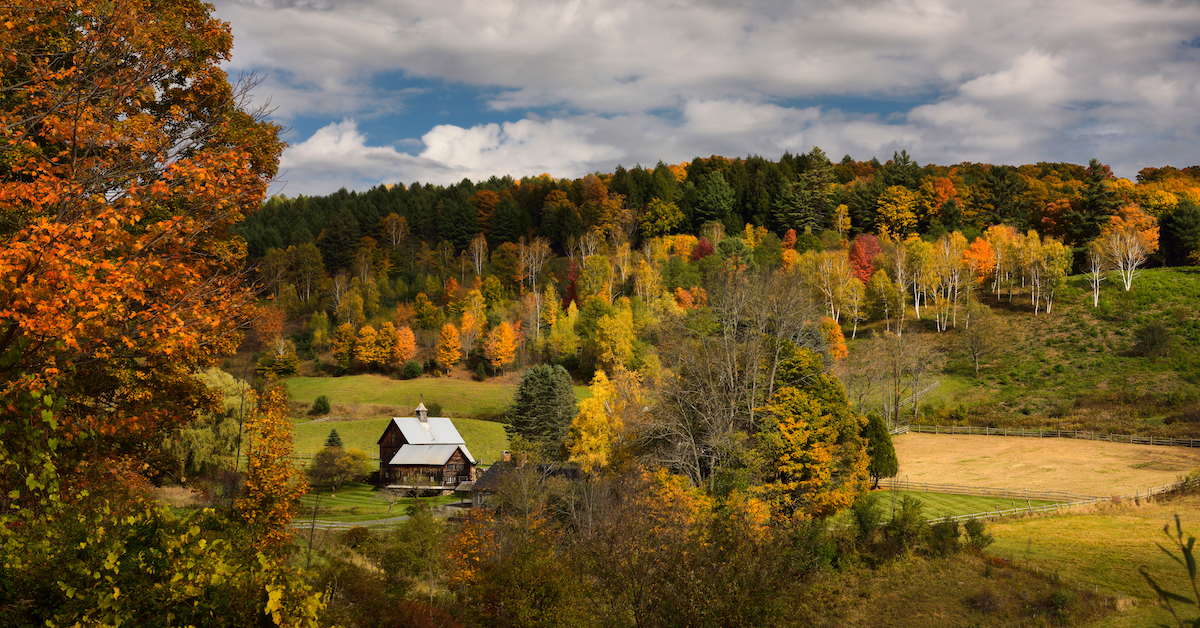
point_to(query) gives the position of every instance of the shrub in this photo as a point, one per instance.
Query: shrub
(412, 370)
(977, 537)
(356, 537)
(1152, 339)
(868, 515)
(320, 406)
(908, 524)
(986, 601)
(943, 537)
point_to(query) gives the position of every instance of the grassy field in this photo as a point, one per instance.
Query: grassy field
(359, 395)
(1103, 547)
(1047, 464)
(485, 439)
(358, 502)
(1076, 368)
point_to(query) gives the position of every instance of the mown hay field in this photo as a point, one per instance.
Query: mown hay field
(1043, 464)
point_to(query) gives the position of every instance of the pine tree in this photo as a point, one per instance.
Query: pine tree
(880, 449)
(543, 407)
(334, 440)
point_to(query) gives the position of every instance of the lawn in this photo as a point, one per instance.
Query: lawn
(939, 505)
(353, 395)
(358, 502)
(485, 439)
(1103, 547)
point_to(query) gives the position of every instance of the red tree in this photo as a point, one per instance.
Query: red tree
(863, 252)
(703, 249)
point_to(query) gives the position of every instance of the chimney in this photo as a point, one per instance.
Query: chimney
(422, 413)
(506, 456)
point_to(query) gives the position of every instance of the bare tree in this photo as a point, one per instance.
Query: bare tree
(985, 334)
(724, 372)
(478, 252)
(1096, 267)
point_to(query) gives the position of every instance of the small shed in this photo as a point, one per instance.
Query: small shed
(424, 450)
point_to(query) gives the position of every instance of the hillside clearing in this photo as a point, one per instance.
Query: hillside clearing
(359, 395)
(1043, 464)
(485, 439)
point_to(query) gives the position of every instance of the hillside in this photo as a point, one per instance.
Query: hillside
(1080, 367)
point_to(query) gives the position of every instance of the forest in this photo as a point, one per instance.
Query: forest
(748, 330)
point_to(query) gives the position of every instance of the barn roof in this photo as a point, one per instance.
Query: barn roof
(434, 431)
(428, 455)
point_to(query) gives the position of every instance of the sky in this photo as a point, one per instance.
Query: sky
(398, 91)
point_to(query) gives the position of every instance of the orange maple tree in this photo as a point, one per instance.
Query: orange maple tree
(127, 157)
(500, 347)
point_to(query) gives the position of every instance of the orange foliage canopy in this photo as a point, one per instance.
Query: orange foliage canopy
(127, 158)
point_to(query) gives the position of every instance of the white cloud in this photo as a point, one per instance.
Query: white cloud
(640, 80)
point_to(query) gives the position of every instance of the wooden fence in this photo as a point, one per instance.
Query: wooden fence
(1040, 433)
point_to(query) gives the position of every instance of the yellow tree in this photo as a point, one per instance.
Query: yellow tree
(385, 342)
(273, 484)
(449, 351)
(897, 212)
(562, 340)
(343, 345)
(660, 218)
(811, 438)
(469, 329)
(500, 347)
(366, 347)
(598, 434)
(614, 339)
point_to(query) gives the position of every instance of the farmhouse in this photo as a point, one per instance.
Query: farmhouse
(424, 450)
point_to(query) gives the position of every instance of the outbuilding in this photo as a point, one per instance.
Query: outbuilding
(424, 451)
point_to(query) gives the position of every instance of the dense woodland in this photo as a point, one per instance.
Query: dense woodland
(707, 305)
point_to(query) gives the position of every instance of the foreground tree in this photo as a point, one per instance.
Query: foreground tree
(126, 159)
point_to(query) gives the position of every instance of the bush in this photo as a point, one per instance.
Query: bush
(977, 538)
(412, 370)
(1152, 339)
(908, 524)
(320, 406)
(986, 601)
(943, 537)
(868, 515)
(356, 537)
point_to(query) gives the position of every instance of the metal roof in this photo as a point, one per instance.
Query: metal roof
(437, 431)
(428, 455)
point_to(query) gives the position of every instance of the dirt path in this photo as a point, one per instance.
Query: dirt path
(1048, 464)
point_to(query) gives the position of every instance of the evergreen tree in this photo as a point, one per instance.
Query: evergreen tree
(543, 407)
(1180, 229)
(880, 449)
(334, 440)
(715, 200)
(1098, 202)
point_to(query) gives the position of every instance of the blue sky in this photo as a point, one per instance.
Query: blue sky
(386, 91)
